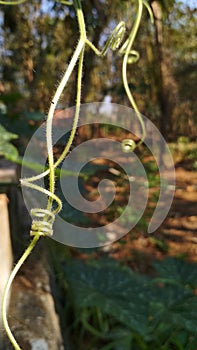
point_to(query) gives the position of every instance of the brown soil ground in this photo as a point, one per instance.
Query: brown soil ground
(177, 236)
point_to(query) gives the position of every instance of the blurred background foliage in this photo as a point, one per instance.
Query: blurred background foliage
(101, 304)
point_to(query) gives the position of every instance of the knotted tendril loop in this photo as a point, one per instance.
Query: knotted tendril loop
(42, 223)
(42, 219)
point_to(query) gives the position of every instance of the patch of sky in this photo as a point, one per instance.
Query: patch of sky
(47, 6)
(190, 3)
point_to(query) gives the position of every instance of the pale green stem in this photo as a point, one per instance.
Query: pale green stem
(78, 54)
(77, 109)
(125, 64)
(7, 290)
(44, 191)
(64, 2)
(50, 118)
(18, 2)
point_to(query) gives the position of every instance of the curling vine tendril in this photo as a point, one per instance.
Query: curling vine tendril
(43, 218)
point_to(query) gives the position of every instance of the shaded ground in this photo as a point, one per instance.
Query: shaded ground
(177, 236)
(180, 228)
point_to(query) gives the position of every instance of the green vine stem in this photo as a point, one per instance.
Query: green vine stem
(43, 218)
(17, 2)
(7, 290)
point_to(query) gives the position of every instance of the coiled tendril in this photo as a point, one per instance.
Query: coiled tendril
(42, 223)
(113, 42)
(42, 219)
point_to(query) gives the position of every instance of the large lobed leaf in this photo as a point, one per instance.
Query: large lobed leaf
(115, 291)
(143, 306)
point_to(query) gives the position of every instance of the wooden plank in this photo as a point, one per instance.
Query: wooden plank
(8, 172)
(5, 248)
(7, 176)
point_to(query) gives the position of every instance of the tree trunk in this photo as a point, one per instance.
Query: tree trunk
(160, 68)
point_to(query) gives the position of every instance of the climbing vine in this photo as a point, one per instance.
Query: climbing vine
(43, 218)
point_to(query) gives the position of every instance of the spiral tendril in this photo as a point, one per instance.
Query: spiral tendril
(128, 145)
(112, 42)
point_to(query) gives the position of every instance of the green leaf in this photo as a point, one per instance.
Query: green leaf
(7, 150)
(174, 270)
(116, 292)
(137, 307)
(186, 314)
(6, 135)
(121, 337)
